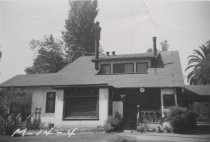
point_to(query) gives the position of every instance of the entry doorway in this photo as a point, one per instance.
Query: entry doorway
(130, 111)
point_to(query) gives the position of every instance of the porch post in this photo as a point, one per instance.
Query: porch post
(162, 105)
(175, 97)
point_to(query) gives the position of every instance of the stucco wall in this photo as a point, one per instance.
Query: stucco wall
(39, 101)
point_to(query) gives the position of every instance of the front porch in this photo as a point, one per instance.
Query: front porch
(140, 105)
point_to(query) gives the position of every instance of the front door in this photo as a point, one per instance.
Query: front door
(130, 112)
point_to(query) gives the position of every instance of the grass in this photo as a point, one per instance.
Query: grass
(84, 137)
(96, 137)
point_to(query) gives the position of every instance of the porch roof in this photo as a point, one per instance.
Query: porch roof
(203, 90)
(196, 93)
(82, 72)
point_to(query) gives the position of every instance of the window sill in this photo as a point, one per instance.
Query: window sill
(80, 118)
(122, 73)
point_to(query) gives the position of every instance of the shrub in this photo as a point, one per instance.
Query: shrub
(181, 119)
(167, 128)
(12, 101)
(120, 138)
(202, 109)
(114, 123)
(140, 128)
(107, 127)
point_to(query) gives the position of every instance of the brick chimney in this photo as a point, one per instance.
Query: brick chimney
(96, 53)
(107, 53)
(154, 46)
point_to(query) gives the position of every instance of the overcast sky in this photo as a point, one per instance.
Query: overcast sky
(127, 27)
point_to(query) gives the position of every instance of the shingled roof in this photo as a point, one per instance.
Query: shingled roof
(82, 72)
(203, 90)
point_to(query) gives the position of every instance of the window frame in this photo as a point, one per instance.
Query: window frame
(124, 68)
(141, 63)
(48, 99)
(67, 96)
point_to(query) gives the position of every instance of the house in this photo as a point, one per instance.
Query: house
(92, 88)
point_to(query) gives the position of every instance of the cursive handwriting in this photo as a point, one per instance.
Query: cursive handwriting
(46, 132)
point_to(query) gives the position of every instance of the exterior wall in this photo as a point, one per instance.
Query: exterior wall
(39, 101)
(167, 91)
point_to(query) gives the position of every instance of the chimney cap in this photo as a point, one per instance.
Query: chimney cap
(154, 38)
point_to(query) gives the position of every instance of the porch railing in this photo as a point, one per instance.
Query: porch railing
(148, 117)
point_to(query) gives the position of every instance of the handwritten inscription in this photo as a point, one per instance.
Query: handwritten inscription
(46, 132)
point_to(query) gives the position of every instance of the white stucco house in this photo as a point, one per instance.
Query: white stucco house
(92, 88)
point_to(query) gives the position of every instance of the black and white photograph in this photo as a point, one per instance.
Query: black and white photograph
(104, 71)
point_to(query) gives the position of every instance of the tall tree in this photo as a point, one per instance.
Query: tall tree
(50, 55)
(82, 31)
(199, 65)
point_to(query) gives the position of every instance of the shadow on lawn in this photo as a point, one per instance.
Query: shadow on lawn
(199, 130)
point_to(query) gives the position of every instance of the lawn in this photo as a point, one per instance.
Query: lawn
(201, 134)
(84, 137)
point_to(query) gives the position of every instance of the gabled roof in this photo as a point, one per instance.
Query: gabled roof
(82, 72)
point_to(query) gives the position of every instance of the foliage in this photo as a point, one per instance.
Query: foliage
(108, 127)
(11, 106)
(181, 119)
(114, 123)
(140, 128)
(149, 50)
(199, 65)
(202, 109)
(50, 56)
(167, 128)
(82, 31)
(120, 138)
(164, 45)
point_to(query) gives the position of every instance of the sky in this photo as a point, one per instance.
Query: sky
(127, 27)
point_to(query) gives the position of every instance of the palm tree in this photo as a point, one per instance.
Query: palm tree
(199, 65)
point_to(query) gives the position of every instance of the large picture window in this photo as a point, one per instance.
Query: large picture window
(123, 68)
(81, 103)
(50, 102)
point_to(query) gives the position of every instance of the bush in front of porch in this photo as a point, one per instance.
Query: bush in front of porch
(114, 123)
(181, 119)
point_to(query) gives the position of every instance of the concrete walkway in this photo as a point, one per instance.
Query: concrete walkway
(169, 137)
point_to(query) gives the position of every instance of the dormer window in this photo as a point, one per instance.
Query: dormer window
(123, 68)
(141, 67)
(105, 69)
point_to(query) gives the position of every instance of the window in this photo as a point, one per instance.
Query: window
(105, 69)
(168, 100)
(123, 68)
(141, 67)
(81, 104)
(50, 102)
